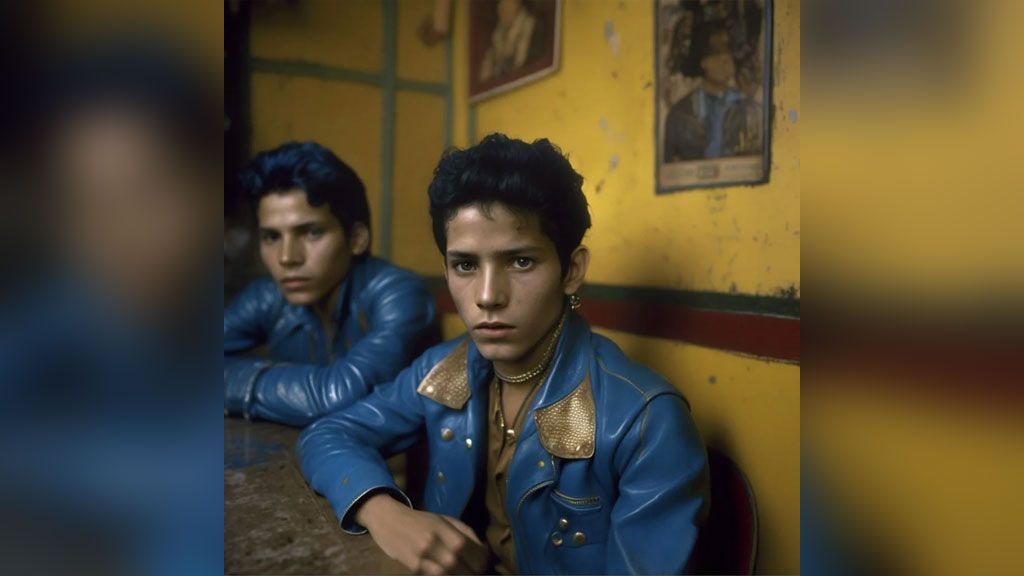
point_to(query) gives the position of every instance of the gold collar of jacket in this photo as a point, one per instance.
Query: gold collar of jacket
(566, 428)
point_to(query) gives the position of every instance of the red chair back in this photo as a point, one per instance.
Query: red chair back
(728, 543)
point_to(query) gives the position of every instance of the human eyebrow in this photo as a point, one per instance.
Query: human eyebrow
(519, 251)
(459, 255)
(306, 226)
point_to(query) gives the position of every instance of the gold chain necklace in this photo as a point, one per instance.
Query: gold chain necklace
(510, 433)
(549, 352)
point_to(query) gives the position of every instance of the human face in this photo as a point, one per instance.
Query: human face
(506, 280)
(304, 247)
(719, 66)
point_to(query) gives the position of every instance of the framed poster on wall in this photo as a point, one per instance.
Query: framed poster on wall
(511, 43)
(713, 96)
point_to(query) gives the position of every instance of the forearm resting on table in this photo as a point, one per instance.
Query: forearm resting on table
(376, 506)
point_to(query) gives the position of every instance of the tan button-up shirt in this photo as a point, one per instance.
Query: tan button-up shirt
(500, 450)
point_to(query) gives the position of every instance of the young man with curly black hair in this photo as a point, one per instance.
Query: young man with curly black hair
(550, 451)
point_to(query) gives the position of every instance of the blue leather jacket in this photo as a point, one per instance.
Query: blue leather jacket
(608, 446)
(384, 318)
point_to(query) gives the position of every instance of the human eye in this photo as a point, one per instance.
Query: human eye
(522, 263)
(269, 236)
(463, 266)
(315, 232)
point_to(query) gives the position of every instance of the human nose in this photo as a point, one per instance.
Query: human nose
(292, 253)
(493, 289)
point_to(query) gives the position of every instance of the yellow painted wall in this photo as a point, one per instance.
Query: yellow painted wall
(344, 34)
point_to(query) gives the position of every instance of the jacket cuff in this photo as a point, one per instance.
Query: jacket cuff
(352, 489)
(240, 376)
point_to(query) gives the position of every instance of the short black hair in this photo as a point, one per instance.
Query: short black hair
(702, 43)
(315, 170)
(535, 178)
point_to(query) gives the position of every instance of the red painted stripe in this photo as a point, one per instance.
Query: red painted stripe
(771, 337)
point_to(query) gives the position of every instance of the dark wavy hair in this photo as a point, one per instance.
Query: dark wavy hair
(533, 178)
(313, 169)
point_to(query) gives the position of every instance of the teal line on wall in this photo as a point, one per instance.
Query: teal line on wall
(387, 125)
(314, 70)
(449, 94)
(419, 86)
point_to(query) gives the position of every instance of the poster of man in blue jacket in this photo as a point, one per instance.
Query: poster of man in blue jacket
(550, 450)
(336, 320)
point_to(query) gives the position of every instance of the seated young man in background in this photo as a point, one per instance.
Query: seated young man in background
(337, 321)
(550, 451)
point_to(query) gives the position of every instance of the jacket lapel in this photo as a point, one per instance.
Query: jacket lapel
(562, 418)
(459, 383)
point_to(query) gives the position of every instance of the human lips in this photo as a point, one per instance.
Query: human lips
(294, 282)
(493, 328)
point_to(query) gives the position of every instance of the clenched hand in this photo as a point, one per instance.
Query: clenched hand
(423, 542)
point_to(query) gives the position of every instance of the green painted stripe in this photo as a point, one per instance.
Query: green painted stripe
(419, 86)
(449, 94)
(716, 301)
(312, 69)
(387, 128)
(326, 72)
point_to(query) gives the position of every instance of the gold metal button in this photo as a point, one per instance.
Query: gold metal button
(579, 538)
(556, 539)
(344, 481)
(563, 523)
(469, 442)
(447, 434)
(540, 463)
(441, 477)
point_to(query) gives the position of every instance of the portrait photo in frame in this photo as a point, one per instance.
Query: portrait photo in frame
(511, 43)
(713, 93)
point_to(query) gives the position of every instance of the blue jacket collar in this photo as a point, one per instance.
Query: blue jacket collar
(563, 409)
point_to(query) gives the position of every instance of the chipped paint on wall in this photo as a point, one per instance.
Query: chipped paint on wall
(612, 38)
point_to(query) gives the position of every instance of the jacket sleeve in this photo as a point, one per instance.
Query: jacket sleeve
(246, 326)
(342, 454)
(400, 315)
(663, 491)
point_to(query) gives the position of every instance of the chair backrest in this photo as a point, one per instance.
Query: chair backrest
(728, 542)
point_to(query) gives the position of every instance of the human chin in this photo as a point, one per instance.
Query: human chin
(498, 351)
(303, 296)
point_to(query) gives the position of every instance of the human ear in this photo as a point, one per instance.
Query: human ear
(579, 260)
(359, 238)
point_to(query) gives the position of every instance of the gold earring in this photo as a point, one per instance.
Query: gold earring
(575, 301)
